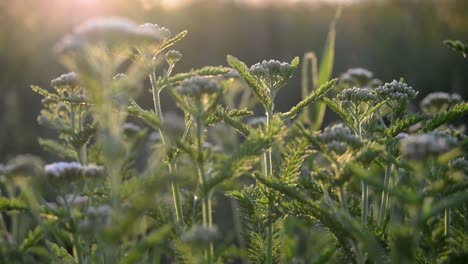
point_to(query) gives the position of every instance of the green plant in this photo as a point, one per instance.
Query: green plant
(383, 185)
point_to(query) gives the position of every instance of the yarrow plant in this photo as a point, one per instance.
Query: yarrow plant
(214, 183)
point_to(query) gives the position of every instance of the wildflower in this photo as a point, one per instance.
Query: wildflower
(22, 165)
(109, 30)
(256, 121)
(421, 146)
(339, 139)
(271, 74)
(131, 130)
(200, 234)
(435, 103)
(198, 95)
(72, 199)
(64, 171)
(173, 56)
(156, 29)
(70, 79)
(154, 137)
(97, 217)
(198, 86)
(93, 171)
(460, 164)
(359, 77)
(397, 91)
(355, 96)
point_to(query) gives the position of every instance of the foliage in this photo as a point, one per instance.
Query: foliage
(385, 186)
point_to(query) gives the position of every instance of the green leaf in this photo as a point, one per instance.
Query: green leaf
(150, 241)
(77, 140)
(403, 124)
(447, 116)
(317, 94)
(205, 71)
(251, 81)
(33, 237)
(11, 204)
(338, 110)
(61, 253)
(324, 74)
(458, 46)
(166, 44)
(149, 117)
(57, 148)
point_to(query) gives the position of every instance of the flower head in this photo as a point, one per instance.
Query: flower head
(397, 91)
(272, 73)
(64, 171)
(421, 146)
(434, 103)
(356, 96)
(70, 79)
(339, 138)
(173, 56)
(200, 234)
(359, 77)
(197, 86)
(110, 30)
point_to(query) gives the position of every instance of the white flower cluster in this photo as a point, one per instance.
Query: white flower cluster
(421, 146)
(173, 56)
(111, 30)
(70, 79)
(271, 72)
(131, 129)
(434, 103)
(197, 86)
(96, 218)
(256, 121)
(356, 96)
(338, 138)
(67, 171)
(397, 91)
(201, 234)
(22, 165)
(359, 77)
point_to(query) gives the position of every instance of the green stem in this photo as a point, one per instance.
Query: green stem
(206, 205)
(447, 221)
(170, 165)
(384, 200)
(267, 155)
(364, 202)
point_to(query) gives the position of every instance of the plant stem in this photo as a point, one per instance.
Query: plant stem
(447, 221)
(384, 201)
(267, 155)
(174, 186)
(364, 202)
(206, 205)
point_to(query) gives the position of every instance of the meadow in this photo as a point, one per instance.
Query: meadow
(218, 181)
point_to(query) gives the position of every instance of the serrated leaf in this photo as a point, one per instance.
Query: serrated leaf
(338, 110)
(315, 95)
(57, 148)
(403, 124)
(458, 46)
(33, 237)
(166, 44)
(447, 116)
(251, 81)
(11, 204)
(61, 253)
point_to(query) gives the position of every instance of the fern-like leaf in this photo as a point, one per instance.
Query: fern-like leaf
(251, 81)
(447, 116)
(458, 46)
(61, 253)
(317, 94)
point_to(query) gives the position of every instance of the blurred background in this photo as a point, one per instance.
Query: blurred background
(392, 38)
